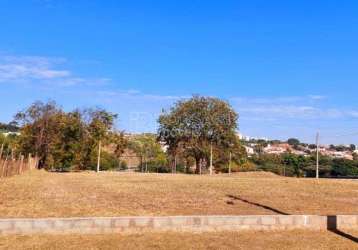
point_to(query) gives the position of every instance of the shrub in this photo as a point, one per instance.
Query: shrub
(247, 166)
(123, 165)
(108, 162)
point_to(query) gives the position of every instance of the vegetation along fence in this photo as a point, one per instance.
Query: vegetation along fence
(10, 166)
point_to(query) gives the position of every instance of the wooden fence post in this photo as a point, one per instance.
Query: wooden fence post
(21, 162)
(29, 162)
(37, 162)
(4, 172)
(10, 167)
(1, 150)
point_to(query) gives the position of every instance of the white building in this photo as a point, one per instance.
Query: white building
(277, 148)
(249, 138)
(243, 137)
(249, 150)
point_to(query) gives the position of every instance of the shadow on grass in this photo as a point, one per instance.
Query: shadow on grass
(332, 227)
(331, 220)
(233, 198)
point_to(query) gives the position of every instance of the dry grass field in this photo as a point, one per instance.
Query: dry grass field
(43, 194)
(225, 240)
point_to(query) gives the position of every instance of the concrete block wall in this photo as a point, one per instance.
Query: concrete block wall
(175, 223)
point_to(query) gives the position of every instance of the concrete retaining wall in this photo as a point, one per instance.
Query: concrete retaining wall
(175, 223)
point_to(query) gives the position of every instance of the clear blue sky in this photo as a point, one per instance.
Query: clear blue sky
(288, 67)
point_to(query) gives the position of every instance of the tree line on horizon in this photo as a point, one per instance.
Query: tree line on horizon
(199, 135)
(193, 130)
(62, 140)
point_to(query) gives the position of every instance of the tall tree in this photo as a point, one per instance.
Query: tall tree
(39, 129)
(196, 124)
(62, 140)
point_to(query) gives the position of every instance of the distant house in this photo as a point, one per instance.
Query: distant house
(249, 150)
(249, 138)
(277, 148)
(338, 154)
(299, 152)
(243, 137)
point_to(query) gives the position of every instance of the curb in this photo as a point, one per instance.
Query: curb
(100, 225)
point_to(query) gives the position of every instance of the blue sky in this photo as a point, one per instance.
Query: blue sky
(288, 67)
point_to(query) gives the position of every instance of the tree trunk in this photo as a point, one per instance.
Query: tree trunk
(197, 165)
(99, 156)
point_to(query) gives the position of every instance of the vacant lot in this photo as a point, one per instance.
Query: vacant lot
(43, 194)
(227, 240)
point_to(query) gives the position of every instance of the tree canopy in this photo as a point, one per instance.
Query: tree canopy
(146, 146)
(64, 140)
(10, 127)
(293, 142)
(193, 125)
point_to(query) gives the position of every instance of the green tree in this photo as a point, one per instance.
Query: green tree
(293, 142)
(11, 127)
(196, 124)
(355, 156)
(39, 130)
(67, 140)
(149, 150)
(8, 145)
(100, 124)
(297, 162)
(344, 167)
(236, 153)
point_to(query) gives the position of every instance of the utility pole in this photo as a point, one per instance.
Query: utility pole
(211, 158)
(21, 163)
(99, 156)
(317, 156)
(230, 163)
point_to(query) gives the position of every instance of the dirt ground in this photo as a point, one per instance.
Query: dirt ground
(43, 194)
(224, 240)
